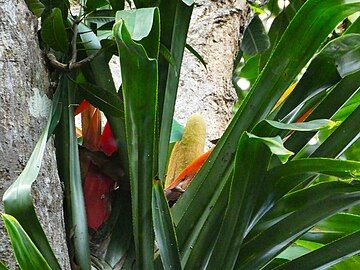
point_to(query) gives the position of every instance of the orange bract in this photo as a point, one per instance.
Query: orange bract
(184, 178)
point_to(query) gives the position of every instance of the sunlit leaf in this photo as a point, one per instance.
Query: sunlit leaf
(26, 253)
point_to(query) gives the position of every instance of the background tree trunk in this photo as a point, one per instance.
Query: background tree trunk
(24, 108)
(215, 31)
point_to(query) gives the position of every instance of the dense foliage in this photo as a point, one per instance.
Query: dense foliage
(278, 191)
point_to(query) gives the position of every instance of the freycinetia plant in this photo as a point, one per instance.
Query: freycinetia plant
(279, 190)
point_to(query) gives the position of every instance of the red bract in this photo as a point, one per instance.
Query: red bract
(82, 106)
(97, 187)
(107, 141)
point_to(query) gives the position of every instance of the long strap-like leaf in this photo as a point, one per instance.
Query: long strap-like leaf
(268, 244)
(313, 81)
(175, 23)
(251, 162)
(282, 179)
(342, 138)
(69, 172)
(26, 254)
(336, 98)
(164, 229)
(326, 256)
(297, 200)
(139, 70)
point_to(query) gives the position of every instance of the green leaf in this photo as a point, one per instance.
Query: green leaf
(314, 81)
(281, 179)
(177, 131)
(354, 27)
(329, 105)
(26, 253)
(103, 18)
(292, 252)
(342, 138)
(63, 5)
(175, 20)
(333, 228)
(164, 229)
(69, 171)
(140, 104)
(349, 107)
(106, 101)
(2, 266)
(199, 247)
(36, 7)
(256, 8)
(100, 71)
(328, 255)
(145, 3)
(249, 70)
(304, 126)
(279, 26)
(349, 62)
(255, 38)
(94, 4)
(117, 4)
(352, 153)
(53, 32)
(251, 162)
(275, 145)
(167, 55)
(292, 53)
(196, 54)
(266, 245)
(343, 168)
(100, 264)
(17, 198)
(188, 2)
(353, 262)
(139, 22)
(273, 7)
(121, 239)
(300, 199)
(200, 244)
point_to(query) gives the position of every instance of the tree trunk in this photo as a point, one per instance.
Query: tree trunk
(24, 109)
(214, 32)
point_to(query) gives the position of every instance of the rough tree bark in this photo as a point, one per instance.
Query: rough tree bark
(24, 108)
(214, 32)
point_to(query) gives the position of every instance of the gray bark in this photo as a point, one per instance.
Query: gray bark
(24, 108)
(214, 32)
